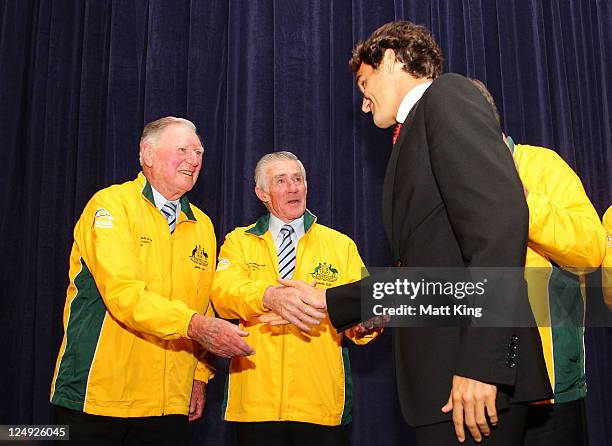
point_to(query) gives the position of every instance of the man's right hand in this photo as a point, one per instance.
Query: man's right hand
(296, 307)
(219, 336)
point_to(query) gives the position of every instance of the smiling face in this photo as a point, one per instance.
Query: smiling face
(285, 196)
(172, 160)
(380, 96)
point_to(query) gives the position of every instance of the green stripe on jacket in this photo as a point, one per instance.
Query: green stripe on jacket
(567, 319)
(87, 311)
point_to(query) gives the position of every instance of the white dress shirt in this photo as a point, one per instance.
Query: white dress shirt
(276, 225)
(160, 201)
(410, 100)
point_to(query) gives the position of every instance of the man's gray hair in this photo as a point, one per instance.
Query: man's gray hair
(153, 129)
(261, 168)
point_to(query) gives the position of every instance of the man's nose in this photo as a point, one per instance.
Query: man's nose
(293, 186)
(365, 105)
(193, 158)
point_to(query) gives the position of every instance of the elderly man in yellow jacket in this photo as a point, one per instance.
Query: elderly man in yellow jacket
(296, 390)
(137, 317)
(566, 240)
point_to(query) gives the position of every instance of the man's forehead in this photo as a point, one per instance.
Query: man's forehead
(364, 70)
(180, 134)
(281, 168)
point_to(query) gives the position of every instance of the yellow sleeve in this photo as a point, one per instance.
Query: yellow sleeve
(109, 251)
(606, 270)
(356, 270)
(204, 371)
(563, 224)
(363, 340)
(234, 294)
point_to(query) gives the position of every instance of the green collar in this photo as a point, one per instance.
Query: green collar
(147, 192)
(510, 144)
(263, 223)
(186, 208)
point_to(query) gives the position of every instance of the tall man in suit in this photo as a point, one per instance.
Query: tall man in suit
(452, 198)
(566, 241)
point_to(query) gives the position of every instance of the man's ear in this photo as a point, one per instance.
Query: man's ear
(263, 196)
(389, 60)
(146, 154)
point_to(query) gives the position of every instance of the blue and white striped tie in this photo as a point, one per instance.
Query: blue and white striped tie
(169, 211)
(286, 254)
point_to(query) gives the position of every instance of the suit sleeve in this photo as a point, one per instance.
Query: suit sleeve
(235, 294)
(344, 301)
(356, 271)
(344, 305)
(109, 252)
(485, 203)
(563, 224)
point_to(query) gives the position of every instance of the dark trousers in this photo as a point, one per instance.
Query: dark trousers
(556, 424)
(94, 430)
(510, 431)
(290, 433)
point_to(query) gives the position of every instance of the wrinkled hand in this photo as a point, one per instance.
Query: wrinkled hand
(371, 325)
(219, 337)
(272, 318)
(297, 303)
(471, 402)
(198, 399)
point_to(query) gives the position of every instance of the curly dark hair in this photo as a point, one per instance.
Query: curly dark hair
(413, 45)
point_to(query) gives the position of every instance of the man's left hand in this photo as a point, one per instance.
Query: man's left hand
(371, 325)
(198, 399)
(471, 402)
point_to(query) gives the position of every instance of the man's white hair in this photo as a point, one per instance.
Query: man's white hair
(153, 129)
(261, 168)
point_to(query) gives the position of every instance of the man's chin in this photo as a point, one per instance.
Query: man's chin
(296, 214)
(189, 182)
(383, 125)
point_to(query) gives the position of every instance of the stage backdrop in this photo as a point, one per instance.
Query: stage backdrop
(78, 79)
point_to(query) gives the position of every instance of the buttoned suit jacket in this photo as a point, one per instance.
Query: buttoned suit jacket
(452, 198)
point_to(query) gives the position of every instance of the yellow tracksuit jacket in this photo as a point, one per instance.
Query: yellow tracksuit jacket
(133, 289)
(564, 228)
(294, 376)
(606, 272)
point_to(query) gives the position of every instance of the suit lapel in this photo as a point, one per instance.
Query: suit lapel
(388, 190)
(389, 183)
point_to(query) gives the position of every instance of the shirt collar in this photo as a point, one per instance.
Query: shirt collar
(410, 100)
(276, 225)
(160, 201)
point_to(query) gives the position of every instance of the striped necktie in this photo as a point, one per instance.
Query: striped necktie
(286, 254)
(169, 211)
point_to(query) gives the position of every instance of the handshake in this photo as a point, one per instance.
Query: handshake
(292, 302)
(303, 305)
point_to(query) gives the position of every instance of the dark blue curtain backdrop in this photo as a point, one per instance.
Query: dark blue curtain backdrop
(78, 79)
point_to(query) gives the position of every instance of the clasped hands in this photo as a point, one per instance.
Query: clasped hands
(294, 302)
(304, 305)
